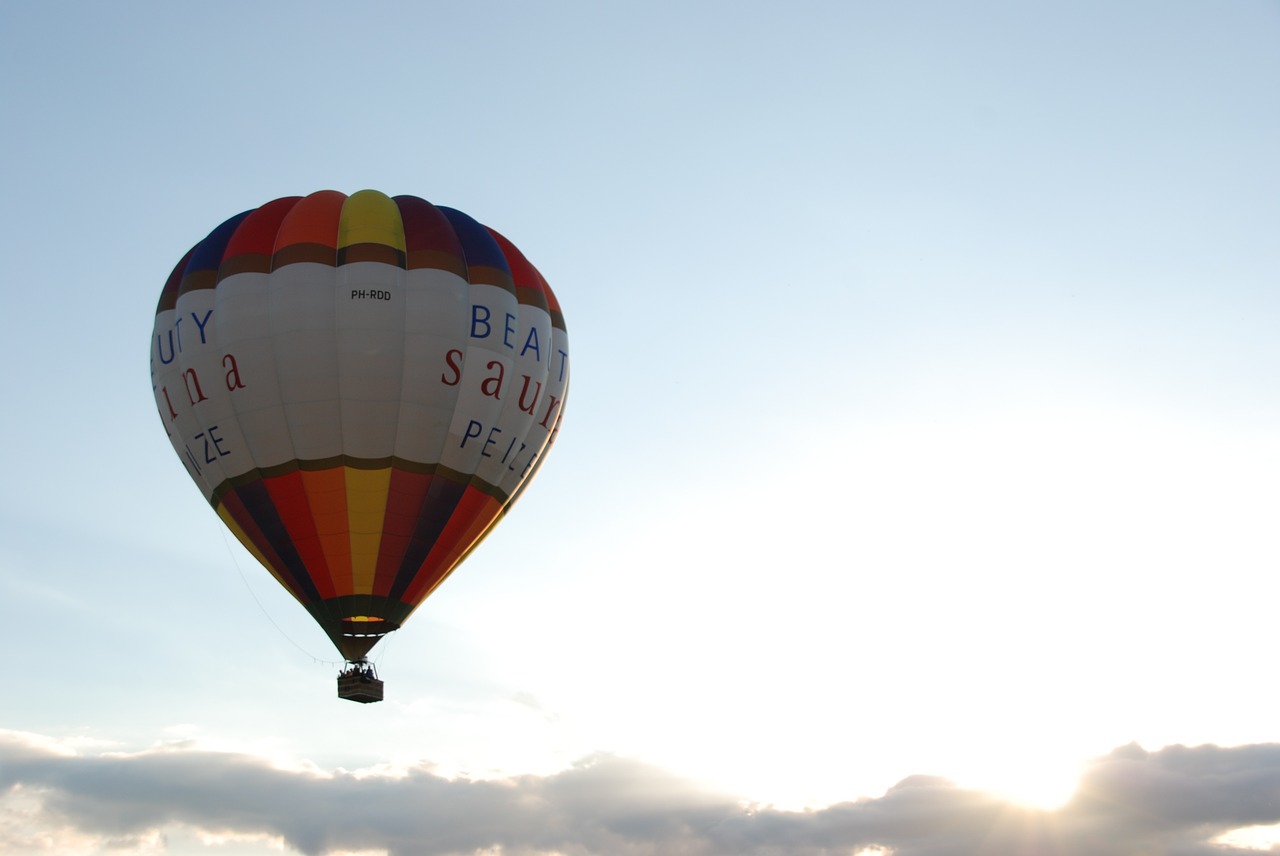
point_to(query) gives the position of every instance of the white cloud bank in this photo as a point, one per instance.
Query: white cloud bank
(1177, 801)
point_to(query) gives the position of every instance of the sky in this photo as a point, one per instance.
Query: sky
(914, 497)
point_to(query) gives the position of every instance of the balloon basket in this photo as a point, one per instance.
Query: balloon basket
(360, 683)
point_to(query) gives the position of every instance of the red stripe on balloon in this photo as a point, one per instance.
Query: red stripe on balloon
(254, 241)
(405, 497)
(475, 513)
(288, 494)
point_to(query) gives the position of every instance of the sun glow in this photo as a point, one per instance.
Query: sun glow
(1028, 782)
(947, 601)
(1260, 838)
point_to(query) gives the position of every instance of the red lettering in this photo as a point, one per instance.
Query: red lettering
(550, 409)
(492, 386)
(173, 414)
(450, 358)
(189, 378)
(233, 376)
(529, 407)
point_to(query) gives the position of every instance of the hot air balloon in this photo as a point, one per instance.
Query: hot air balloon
(361, 386)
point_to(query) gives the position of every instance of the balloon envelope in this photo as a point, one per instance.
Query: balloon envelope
(360, 386)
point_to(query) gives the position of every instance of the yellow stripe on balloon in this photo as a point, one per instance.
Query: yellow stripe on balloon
(370, 217)
(366, 510)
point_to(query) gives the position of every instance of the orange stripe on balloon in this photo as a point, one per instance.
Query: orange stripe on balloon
(326, 492)
(312, 220)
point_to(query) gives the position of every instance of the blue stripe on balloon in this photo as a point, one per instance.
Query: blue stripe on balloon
(479, 249)
(207, 255)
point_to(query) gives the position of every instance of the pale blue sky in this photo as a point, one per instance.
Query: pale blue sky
(924, 415)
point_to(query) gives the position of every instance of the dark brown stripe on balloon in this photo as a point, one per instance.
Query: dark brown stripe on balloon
(392, 462)
(316, 464)
(437, 259)
(488, 490)
(371, 252)
(532, 297)
(294, 253)
(367, 463)
(488, 275)
(197, 280)
(416, 467)
(244, 263)
(453, 475)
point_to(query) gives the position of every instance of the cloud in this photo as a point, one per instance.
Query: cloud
(1177, 801)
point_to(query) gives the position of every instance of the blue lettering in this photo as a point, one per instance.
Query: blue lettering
(191, 458)
(201, 324)
(531, 344)
(484, 453)
(217, 442)
(508, 330)
(207, 458)
(478, 320)
(473, 424)
(160, 348)
(210, 441)
(525, 471)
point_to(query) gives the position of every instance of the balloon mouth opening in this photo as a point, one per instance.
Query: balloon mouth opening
(366, 626)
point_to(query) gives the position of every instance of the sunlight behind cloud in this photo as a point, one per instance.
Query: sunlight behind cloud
(1034, 782)
(189, 801)
(1261, 838)
(229, 842)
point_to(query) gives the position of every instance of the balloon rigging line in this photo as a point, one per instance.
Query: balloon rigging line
(244, 580)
